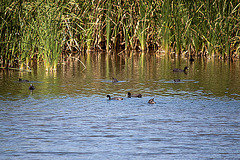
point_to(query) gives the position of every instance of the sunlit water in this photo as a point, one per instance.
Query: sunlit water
(68, 116)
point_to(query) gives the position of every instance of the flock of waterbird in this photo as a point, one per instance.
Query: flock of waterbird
(129, 95)
(151, 101)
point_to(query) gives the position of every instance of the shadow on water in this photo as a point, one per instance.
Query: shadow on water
(68, 116)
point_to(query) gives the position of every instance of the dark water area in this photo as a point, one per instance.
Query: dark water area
(68, 115)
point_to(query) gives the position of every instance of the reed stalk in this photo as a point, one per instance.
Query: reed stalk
(108, 24)
(144, 11)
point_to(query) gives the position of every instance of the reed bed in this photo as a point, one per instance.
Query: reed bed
(45, 30)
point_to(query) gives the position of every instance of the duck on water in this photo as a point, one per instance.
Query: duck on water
(21, 80)
(180, 70)
(31, 87)
(151, 101)
(114, 98)
(114, 80)
(177, 80)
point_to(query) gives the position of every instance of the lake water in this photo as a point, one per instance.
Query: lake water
(68, 115)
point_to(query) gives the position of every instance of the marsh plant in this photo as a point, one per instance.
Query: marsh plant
(43, 30)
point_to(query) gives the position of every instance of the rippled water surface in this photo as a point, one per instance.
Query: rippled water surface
(68, 115)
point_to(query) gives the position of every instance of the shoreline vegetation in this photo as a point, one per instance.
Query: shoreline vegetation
(50, 31)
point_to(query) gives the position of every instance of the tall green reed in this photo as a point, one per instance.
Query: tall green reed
(108, 24)
(142, 26)
(43, 30)
(9, 32)
(50, 33)
(165, 24)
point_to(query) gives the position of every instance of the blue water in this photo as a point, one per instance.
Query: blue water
(75, 120)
